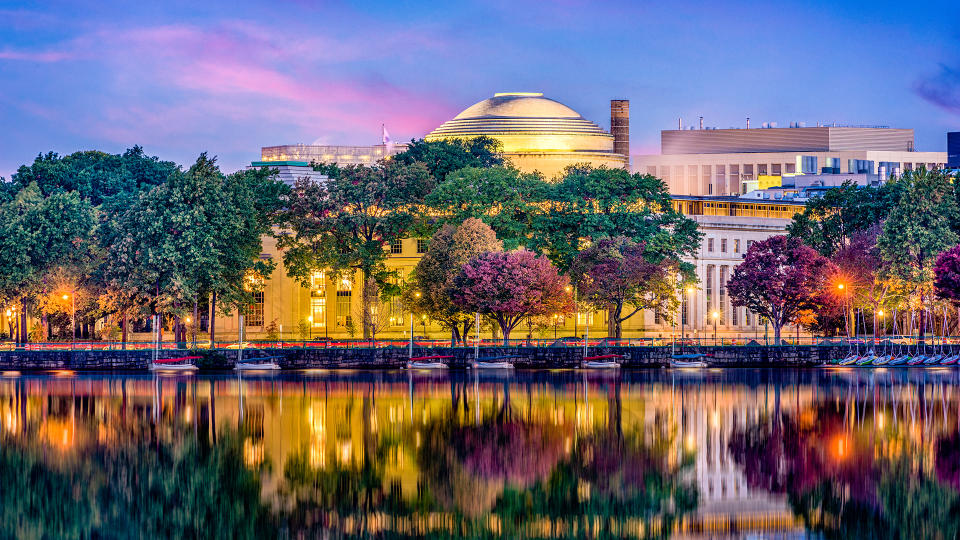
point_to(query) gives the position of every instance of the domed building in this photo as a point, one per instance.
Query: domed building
(537, 133)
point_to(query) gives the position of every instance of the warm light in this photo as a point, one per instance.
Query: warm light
(840, 286)
(880, 313)
(66, 296)
(689, 290)
(310, 318)
(417, 294)
(567, 288)
(9, 313)
(716, 314)
(188, 320)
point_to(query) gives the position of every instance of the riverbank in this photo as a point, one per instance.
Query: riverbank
(396, 357)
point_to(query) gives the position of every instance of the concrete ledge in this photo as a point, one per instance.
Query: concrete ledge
(396, 357)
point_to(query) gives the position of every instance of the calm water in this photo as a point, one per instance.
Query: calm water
(660, 453)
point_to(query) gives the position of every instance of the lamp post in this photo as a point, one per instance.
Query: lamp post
(568, 289)
(716, 318)
(879, 314)
(555, 318)
(73, 318)
(846, 314)
(688, 290)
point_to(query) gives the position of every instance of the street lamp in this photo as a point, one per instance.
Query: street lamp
(73, 317)
(842, 288)
(689, 290)
(879, 314)
(555, 318)
(716, 318)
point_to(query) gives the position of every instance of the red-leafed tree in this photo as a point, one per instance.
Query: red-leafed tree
(615, 274)
(510, 286)
(946, 280)
(778, 278)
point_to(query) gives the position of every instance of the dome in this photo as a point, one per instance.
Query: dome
(536, 133)
(516, 112)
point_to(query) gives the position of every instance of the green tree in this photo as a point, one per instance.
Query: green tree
(443, 157)
(431, 286)
(347, 224)
(828, 222)
(502, 197)
(919, 228)
(589, 204)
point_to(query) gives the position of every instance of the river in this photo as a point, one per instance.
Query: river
(733, 453)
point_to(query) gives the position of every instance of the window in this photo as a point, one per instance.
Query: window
(344, 302)
(736, 245)
(790, 168)
(724, 270)
(749, 243)
(316, 281)
(708, 289)
(761, 169)
(775, 169)
(585, 318)
(710, 245)
(396, 247)
(421, 245)
(808, 164)
(734, 316)
(318, 312)
(723, 245)
(255, 313)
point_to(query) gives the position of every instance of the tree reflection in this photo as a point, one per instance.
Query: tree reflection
(848, 473)
(141, 488)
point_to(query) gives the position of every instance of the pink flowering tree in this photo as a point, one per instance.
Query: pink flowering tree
(946, 280)
(509, 286)
(778, 278)
(616, 274)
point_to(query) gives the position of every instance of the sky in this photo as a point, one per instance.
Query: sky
(181, 78)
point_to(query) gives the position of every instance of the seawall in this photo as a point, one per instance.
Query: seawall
(396, 357)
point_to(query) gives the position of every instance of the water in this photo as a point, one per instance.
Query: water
(659, 453)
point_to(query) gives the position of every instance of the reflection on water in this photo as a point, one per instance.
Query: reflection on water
(734, 453)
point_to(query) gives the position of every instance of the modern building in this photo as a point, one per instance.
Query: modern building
(953, 150)
(733, 161)
(540, 134)
(291, 171)
(341, 155)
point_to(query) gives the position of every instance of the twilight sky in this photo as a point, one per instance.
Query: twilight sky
(230, 77)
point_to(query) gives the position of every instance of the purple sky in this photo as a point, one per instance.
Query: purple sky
(230, 77)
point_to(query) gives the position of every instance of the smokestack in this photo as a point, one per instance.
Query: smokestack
(620, 128)
(701, 122)
(748, 122)
(680, 123)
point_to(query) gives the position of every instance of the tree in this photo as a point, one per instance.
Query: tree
(508, 286)
(347, 224)
(590, 204)
(947, 275)
(614, 274)
(502, 197)
(443, 157)
(859, 268)
(919, 228)
(828, 222)
(778, 278)
(431, 286)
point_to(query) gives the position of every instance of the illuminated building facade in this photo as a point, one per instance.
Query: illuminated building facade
(538, 133)
(331, 307)
(341, 155)
(735, 161)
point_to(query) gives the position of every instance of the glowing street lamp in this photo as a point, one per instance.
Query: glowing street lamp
(73, 317)
(716, 318)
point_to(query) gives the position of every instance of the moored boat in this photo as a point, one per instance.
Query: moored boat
(182, 364)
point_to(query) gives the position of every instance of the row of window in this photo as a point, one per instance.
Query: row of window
(396, 247)
(723, 245)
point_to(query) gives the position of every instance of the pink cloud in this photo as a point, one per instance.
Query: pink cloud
(34, 56)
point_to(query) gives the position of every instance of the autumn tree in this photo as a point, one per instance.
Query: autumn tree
(919, 228)
(615, 274)
(509, 286)
(347, 224)
(778, 278)
(859, 268)
(431, 286)
(947, 275)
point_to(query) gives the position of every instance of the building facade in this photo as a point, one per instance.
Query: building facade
(734, 161)
(341, 155)
(953, 150)
(330, 306)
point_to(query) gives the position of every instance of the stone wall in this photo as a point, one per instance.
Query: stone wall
(388, 358)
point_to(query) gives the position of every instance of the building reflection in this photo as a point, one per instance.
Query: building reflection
(643, 454)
